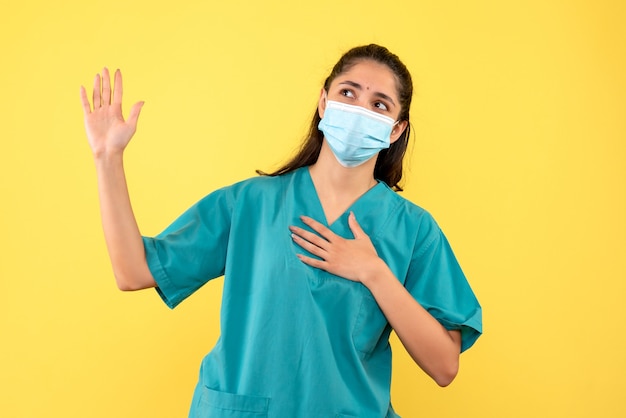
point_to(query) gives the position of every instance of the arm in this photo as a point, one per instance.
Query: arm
(435, 349)
(109, 134)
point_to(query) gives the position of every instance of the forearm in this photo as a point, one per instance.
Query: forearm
(121, 232)
(435, 349)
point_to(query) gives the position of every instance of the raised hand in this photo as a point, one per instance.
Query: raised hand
(107, 131)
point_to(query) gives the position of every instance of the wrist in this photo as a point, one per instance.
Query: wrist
(108, 162)
(375, 274)
(106, 156)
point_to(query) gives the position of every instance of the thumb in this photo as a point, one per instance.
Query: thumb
(356, 229)
(134, 113)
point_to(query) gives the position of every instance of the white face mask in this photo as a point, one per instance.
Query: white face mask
(353, 133)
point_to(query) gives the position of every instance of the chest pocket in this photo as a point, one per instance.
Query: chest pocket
(371, 327)
(215, 404)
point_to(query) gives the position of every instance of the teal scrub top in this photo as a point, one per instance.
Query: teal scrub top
(297, 341)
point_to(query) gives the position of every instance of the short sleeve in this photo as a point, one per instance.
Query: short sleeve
(437, 282)
(192, 250)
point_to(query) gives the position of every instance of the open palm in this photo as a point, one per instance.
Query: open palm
(107, 131)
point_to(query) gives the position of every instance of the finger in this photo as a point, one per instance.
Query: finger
(117, 88)
(106, 87)
(97, 101)
(313, 249)
(312, 262)
(85, 101)
(134, 113)
(310, 236)
(356, 229)
(319, 228)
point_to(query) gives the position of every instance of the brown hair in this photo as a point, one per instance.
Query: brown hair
(389, 163)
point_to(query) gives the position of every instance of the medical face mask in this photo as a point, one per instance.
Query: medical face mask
(353, 133)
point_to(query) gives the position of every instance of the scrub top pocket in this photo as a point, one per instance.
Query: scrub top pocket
(370, 325)
(215, 404)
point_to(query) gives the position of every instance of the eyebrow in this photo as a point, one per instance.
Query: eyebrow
(359, 87)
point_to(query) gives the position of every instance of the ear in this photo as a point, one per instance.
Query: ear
(321, 104)
(397, 131)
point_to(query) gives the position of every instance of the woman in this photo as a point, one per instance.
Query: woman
(321, 259)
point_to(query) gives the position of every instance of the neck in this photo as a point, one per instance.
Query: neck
(331, 178)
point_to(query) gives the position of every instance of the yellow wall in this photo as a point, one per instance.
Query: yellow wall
(520, 117)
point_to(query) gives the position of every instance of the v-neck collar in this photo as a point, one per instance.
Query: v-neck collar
(361, 206)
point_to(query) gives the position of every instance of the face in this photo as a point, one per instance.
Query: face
(368, 84)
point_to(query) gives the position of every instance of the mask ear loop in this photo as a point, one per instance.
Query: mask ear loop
(394, 125)
(407, 127)
(325, 103)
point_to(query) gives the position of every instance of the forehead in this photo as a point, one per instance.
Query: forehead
(371, 75)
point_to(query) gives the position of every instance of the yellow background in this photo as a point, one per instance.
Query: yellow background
(520, 154)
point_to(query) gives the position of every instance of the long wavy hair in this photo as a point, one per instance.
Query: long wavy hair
(389, 163)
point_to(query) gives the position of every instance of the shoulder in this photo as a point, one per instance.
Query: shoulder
(259, 186)
(253, 188)
(416, 222)
(407, 210)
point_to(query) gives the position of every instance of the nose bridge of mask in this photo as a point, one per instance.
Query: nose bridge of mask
(359, 112)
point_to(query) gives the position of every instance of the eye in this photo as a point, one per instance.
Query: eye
(347, 93)
(381, 106)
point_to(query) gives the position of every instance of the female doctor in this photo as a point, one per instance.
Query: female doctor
(321, 259)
